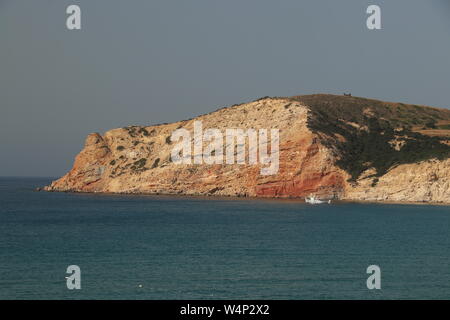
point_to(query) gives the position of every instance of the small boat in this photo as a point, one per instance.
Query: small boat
(313, 200)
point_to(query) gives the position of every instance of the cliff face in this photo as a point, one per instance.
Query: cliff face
(325, 148)
(427, 181)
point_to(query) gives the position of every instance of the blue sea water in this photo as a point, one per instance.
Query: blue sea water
(155, 247)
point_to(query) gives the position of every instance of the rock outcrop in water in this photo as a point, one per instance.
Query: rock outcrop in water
(338, 147)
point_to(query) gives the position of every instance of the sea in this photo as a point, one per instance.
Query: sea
(162, 247)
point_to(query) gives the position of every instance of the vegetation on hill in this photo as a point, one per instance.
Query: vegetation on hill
(364, 132)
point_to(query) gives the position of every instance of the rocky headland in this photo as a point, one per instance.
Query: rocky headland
(338, 147)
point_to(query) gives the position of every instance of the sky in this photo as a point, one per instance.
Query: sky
(143, 62)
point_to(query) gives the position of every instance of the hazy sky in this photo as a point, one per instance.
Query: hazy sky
(152, 61)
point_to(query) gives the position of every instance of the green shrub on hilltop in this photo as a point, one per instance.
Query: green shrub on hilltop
(379, 123)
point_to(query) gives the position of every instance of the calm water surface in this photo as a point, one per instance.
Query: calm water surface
(192, 248)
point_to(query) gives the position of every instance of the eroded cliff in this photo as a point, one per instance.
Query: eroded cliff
(331, 146)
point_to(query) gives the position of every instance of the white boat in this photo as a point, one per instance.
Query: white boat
(313, 200)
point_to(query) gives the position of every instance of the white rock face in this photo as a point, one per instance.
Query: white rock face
(426, 181)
